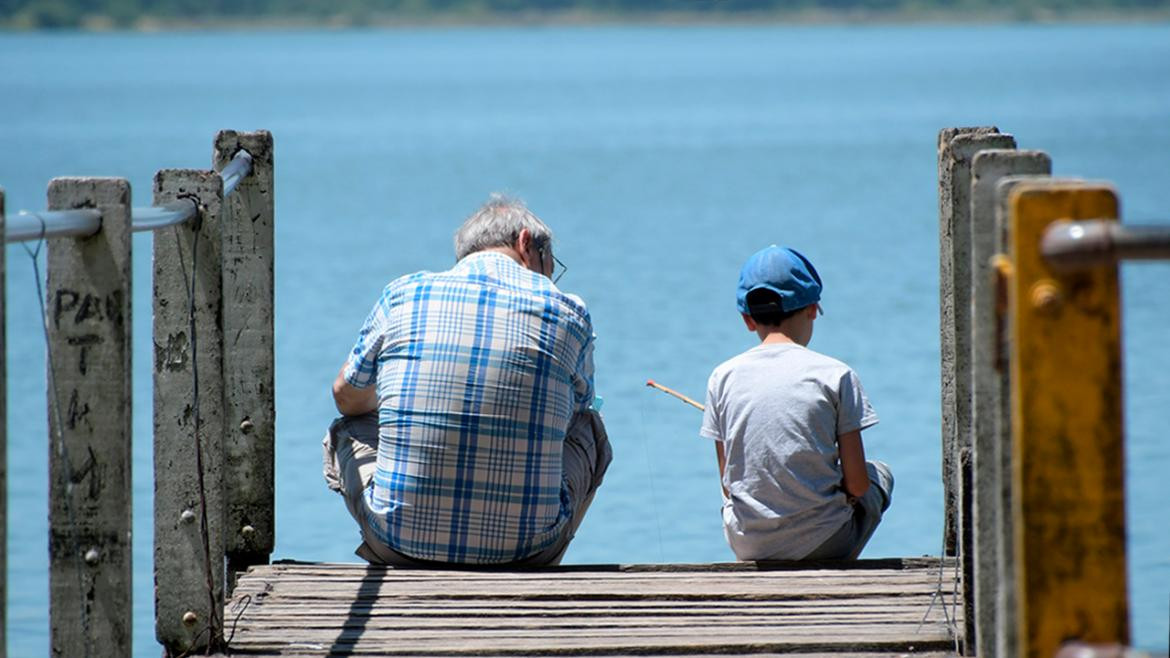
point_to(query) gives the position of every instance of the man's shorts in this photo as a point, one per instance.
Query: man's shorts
(350, 455)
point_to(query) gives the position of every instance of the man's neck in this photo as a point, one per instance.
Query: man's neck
(510, 252)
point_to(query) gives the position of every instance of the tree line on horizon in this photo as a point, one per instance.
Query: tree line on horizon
(48, 14)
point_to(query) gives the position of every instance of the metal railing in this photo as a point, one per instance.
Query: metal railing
(1073, 244)
(83, 222)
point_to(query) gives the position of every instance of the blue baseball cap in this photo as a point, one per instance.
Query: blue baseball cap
(784, 271)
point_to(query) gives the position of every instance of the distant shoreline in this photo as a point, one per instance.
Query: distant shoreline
(99, 23)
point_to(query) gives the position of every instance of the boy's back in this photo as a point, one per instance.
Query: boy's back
(787, 425)
(779, 408)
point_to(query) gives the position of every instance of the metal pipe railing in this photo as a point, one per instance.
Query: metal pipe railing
(1073, 244)
(83, 222)
(25, 226)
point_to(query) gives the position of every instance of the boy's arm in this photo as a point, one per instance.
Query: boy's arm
(722, 459)
(852, 453)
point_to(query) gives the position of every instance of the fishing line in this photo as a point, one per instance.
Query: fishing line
(650, 477)
(649, 469)
(62, 449)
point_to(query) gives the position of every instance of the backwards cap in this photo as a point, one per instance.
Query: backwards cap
(784, 271)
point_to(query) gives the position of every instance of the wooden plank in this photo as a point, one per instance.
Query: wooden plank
(286, 609)
(187, 614)
(248, 353)
(592, 570)
(1067, 437)
(90, 491)
(725, 637)
(989, 372)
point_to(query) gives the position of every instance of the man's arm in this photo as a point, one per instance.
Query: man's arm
(353, 401)
(852, 453)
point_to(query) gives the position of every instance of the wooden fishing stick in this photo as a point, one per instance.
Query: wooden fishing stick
(669, 391)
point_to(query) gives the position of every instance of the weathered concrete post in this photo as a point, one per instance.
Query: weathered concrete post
(249, 358)
(1067, 429)
(3, 450)
(957, 147)
(90, 486)
(188, 417)
(989, 365)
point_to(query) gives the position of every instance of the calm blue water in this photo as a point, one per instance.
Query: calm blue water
(662, 156)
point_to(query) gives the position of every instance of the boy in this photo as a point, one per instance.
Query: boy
(787, 425)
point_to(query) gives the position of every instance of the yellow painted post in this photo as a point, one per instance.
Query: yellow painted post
(1068, 466)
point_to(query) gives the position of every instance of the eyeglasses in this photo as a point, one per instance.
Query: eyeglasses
(558, 269)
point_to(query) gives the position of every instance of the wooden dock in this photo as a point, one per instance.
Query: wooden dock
(871, 607)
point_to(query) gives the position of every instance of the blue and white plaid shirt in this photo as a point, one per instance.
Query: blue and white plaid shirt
(479, 370)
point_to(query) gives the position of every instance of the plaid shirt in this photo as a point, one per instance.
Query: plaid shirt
(479, 370)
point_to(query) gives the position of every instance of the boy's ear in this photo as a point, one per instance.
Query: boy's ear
(747, 320)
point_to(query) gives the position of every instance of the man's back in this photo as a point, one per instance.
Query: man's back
(479, 370)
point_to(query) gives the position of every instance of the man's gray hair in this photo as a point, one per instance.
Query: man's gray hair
(498, 223)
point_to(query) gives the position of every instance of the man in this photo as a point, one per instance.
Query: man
(468, 434)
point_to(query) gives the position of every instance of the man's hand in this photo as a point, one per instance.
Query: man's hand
(353, 401)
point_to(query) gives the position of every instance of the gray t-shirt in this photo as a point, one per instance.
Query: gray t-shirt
(778, 409)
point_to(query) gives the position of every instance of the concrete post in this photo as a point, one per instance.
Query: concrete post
(3, 451)
(188, 556)
(249, 358)
(957, 147)
(90, 485)
(988, 363)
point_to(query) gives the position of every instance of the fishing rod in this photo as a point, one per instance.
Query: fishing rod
(670, 391)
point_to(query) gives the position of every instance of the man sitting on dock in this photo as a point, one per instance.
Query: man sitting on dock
(787, 425)
(468, 434)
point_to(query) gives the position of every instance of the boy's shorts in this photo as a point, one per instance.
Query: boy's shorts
(846, 543)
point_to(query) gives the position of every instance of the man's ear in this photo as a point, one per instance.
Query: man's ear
(747, 320)
(523, 242)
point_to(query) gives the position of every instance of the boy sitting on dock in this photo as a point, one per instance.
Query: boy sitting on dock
(787, 425)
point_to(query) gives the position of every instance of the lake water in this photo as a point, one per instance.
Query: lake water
(662, 157)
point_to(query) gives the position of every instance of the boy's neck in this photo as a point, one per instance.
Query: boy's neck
(775, 336)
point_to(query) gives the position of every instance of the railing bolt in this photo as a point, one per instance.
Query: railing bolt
(189, 618)
(246, 427)
(92, 556)
(187, 516)
(247, 531)
(1046, 297)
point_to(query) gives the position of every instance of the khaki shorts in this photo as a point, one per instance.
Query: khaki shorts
(350, 455)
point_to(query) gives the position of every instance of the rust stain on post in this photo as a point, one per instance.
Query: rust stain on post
(1068, 466)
